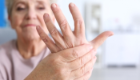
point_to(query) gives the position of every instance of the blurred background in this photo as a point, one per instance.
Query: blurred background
(119, 56)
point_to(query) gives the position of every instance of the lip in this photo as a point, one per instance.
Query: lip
(30, 25)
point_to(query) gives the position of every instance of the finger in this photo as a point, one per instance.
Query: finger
(101, 38)
(75, 53)
(86, 76)
(82, 60)
(47, 40)
(64, 26)
(54, 32)
(78, 21)
(83, 70)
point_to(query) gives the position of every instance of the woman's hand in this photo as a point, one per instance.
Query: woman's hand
(70, 64)
(68, 39)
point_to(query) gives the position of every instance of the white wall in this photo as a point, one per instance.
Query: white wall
(121, 10)
(116, 15)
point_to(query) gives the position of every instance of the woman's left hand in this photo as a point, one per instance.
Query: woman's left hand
(68, 39)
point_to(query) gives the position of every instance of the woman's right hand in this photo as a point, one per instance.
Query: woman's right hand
(70, 64)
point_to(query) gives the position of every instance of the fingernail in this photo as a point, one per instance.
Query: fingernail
(46, 17)
(111, 35)
(64, 25)
(72, 4)
(54, 5)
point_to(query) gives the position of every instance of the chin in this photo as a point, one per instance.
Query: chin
(31, 35)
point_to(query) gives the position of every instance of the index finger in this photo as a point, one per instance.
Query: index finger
(75, 53)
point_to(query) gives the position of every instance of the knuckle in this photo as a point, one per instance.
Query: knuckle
(45, 40)
(42, 35)
(90, 58)
(79, 22)
(54, 61)
(75, 53)
(61, 71)
(54, 32)
(83, 70)
(81, 61)
(70, 44)
(64, 25)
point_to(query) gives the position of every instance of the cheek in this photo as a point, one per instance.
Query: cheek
(16, 21)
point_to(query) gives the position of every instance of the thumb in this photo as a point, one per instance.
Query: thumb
(101, 38)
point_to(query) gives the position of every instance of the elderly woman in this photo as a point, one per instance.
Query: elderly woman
(35, 56)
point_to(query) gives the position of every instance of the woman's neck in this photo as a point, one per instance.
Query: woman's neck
(30, 48)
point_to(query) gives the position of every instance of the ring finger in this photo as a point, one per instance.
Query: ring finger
(54, 32)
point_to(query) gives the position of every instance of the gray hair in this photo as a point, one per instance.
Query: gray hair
(9, 5)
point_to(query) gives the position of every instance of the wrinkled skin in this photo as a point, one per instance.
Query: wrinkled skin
(72, 55)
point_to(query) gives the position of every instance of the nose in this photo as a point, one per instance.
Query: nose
(31, 14)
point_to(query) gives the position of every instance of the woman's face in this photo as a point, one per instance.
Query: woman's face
(26, 15)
